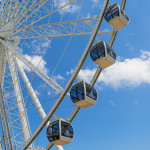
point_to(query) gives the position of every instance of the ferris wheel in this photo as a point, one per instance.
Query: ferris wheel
(24, 84)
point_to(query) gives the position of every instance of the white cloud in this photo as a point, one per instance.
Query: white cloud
(69, 72)
(36, 61)
(126, 73)
(19, 49)
(58, 77)
(112, 103)
(27, 45)
(88, 15)
(96, 3)
(39, 46)
(130, 46)
(135, 102)
(72, 8)
(49, 93)
(45, 43)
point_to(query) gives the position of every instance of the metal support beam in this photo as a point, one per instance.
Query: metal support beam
(60, 29)
(96, 75)
(18, 94)
(3, 114)
(4, 124)
(31, 91)
(3, 61)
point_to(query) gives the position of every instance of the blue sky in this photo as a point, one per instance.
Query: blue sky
(120, 119)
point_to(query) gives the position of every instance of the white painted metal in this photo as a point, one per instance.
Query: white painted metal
(31, 91)
(58, 147)
(3, 114)
(4, 123)
(81, 27)
(19, 100)
(96, 75)
(2, 63)
(22, 16)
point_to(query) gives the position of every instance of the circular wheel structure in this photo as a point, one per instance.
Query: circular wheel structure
(30, 94)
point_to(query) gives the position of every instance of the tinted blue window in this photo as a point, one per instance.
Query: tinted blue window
(91, 92)
(66, 130)
(110, 52)
(124, 15)
(111, 12)
(77, 92)
(53, 131)
(97, 51)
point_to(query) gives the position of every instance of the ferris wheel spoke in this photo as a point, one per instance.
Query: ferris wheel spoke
(22, 12)
(6, 11)
(58, 89)
(19, 99)
(24, 17)
(6, 6)
(14, 10)
(2, 65)
(31, 91)
(53, 10)
(4, 123)
(68, 28)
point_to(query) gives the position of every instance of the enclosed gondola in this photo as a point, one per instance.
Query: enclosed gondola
(83, 94)
(60, 132)
(116, 17)
(103, 55)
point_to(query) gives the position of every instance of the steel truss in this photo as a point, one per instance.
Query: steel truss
(68, 28)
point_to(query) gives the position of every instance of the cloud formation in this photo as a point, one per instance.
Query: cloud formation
(36, 61)
(39, 46)
(127, 73)
(58, 77)
(96, 3)
(72, 8)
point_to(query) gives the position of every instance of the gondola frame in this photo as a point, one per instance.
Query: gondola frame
(62, 139)
(106, 60)
(87, 101)
(118, 22)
